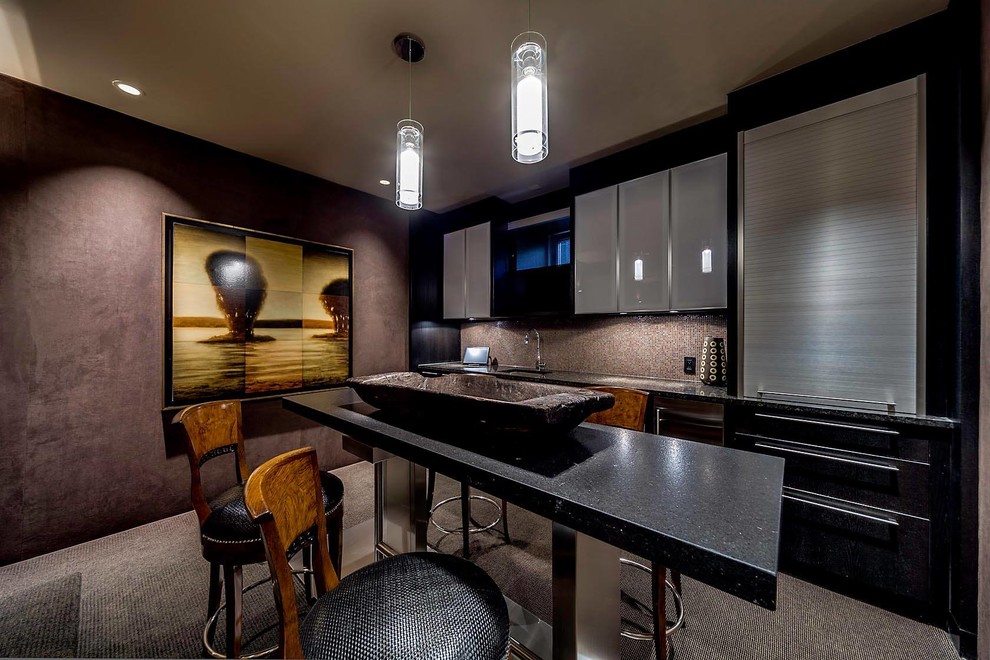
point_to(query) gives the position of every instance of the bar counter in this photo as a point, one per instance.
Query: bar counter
(709, 512)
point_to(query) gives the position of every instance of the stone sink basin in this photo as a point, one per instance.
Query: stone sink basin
(481, 402)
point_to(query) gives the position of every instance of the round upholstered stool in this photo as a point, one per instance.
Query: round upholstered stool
(416, 605)
(230, 540)
(461, 616)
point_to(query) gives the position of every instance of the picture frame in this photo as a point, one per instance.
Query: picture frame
(249, 314)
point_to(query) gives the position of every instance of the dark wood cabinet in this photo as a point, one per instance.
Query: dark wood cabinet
(864, 503)
(868, 479)
(855, 548)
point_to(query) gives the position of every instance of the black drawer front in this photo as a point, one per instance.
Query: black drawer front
(888, 483)
(876, 550)
(894, 441)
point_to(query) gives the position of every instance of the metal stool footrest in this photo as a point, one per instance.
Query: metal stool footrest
(471, 530)
(678, 606)
(209, 632)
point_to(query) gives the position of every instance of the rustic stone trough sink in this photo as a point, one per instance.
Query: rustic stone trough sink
(481, 401)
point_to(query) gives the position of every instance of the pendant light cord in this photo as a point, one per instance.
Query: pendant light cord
(409, 47)
(529, 17)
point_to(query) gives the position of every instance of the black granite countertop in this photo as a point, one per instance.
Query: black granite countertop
(711, 513)
(695, 390)
(849, 414)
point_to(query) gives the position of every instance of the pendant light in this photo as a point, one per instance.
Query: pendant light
(530, 139)
(409, 135)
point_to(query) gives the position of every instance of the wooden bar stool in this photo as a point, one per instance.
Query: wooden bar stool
(228, 537)
(415, 605)
(629, 412)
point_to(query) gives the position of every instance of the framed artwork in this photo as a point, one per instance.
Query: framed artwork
(250, 314)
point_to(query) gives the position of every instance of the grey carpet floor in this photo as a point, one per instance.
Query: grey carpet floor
(26, 620)
(143, 594)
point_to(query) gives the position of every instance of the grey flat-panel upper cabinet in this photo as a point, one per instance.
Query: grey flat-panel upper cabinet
(698, 234)
(478, 270)
(644, 221)
(454, 274)
(467, 273)
(595, 236)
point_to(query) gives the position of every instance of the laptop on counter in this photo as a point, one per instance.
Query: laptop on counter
(476, 359)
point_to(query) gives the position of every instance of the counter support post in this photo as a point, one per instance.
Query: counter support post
(585, 596)
(402, 511)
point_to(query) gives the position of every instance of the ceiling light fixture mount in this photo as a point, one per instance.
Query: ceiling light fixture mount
(126, 88)
(409, 47)
(409, 134)
(530, 136)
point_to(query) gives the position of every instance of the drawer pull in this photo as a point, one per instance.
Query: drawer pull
(851, 427)
(827, 457)
(839, 509)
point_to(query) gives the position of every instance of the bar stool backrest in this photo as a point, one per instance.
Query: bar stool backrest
(629, 411)
(284, 496)
(211, 430)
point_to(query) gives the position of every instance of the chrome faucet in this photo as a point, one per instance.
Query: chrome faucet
(540, 364)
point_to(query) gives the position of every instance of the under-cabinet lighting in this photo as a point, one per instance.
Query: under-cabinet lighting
(384, 182)
(706, 260)
(638, 270)
(126, 88)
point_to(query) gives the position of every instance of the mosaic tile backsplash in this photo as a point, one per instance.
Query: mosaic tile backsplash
(628, 345)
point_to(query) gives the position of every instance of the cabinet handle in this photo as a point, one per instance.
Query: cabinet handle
(839, 509)
(827, 457)
(816, 422)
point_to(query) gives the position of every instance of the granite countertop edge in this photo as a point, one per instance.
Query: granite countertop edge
(692, 390)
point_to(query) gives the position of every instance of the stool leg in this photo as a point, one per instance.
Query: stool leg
(659, 578)
(466, 518)
(675, 579)
(335, 534)
(232, 581)
(431, 483)
(215, 587)
(308, 578)
(505, 521)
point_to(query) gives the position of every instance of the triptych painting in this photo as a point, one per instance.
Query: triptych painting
(250, 314)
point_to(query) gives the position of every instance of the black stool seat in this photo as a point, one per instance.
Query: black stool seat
(229, 522)
(412, 606)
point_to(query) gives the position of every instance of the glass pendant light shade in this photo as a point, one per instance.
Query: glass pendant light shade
(530, 139)
(409, 165)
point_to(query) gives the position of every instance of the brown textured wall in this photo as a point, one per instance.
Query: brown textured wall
(82, 190)
(630, 345)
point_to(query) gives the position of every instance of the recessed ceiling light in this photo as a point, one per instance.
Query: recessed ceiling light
(384, 182)
(127, 89)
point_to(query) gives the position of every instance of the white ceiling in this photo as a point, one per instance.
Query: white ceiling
(314, 84)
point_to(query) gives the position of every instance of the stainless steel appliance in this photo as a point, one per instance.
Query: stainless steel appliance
(687, 419)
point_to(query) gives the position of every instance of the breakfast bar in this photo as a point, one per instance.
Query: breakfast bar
(710, 513)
